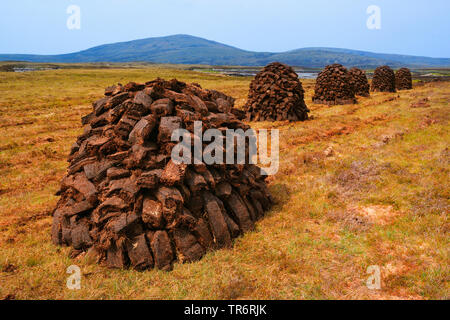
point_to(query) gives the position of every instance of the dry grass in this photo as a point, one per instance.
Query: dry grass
(381, 197)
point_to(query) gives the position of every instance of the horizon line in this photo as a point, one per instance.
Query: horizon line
(188, 35)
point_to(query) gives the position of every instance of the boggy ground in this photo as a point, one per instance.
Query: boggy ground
(359, 185)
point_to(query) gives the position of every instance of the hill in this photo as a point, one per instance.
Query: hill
(185, 49)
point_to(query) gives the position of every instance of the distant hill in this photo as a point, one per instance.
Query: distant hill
(185, 49)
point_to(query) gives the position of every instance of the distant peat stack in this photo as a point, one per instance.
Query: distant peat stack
(403, 79)
(383, 80)
(276, 94)
(360, 82)
(334, 86)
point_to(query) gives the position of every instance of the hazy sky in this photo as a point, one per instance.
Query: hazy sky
(417, 27)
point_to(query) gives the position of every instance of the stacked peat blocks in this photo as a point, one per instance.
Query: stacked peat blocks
(334, 86)
(403, 79)
(360, 82)
(276, 94)
(125, 201)
(383, 80)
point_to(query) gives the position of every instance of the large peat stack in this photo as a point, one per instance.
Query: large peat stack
(383, 80)
(403, 79)
(360, 82)
(126, 202)
(334, 86)
(276, 94)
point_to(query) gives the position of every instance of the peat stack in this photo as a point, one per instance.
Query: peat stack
(334, 86)
(125, 200)
(383, 80)
(276, 94)
(360, 82)
(403, 79)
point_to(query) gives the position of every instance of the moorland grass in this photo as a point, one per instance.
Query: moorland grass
(388, 159)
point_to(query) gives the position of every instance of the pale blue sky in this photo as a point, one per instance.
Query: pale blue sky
(415, 27)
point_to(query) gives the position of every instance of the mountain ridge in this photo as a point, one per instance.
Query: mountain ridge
(186, 49)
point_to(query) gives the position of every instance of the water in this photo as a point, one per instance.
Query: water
(30, 69)
(236, 72)
(241, 72)
(307, 75)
